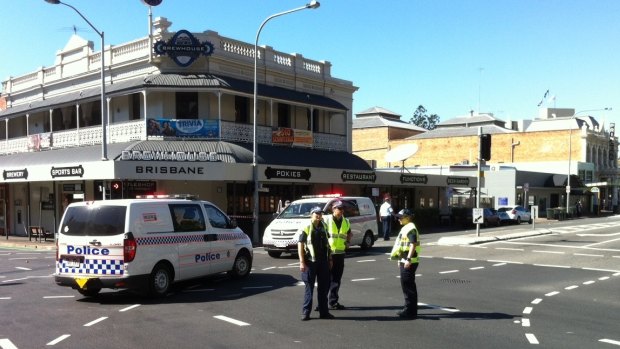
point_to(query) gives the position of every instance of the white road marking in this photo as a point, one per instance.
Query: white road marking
(525, 322)
(53, 297)
(603, 278)
(531, 338)
(5, 298)
(527, 310)
(588, 255)
(367, 279)
(609, 341)
(460, 258)
(476, 268)
(551, 294)
(572, 287)
(589, 282)
(268, 268)
(452, 310)
(509, 249)
(553, 252)
(231, 320)
(95, 321)
(610, 234)
(537, 301)
(22, 268)
(552, 266)
(129, 308)
(505, 262)
(6, 343)
(499, 264)
(597, 269)
(59, 339)
(448, 271)
(367, 260)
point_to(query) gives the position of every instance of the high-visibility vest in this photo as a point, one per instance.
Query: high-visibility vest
(309, 246)
(338, 238)
(401, 246)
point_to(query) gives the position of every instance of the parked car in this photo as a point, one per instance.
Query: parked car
(504, 218)
(491, 218)
(517, 214)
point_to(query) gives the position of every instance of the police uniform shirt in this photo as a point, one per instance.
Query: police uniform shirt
(319, 242)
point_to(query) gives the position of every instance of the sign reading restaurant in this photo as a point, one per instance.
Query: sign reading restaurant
(358, 176)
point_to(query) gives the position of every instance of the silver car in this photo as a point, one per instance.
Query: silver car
(517, 214)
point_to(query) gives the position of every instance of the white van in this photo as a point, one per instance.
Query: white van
(147, 244)
(282, 233)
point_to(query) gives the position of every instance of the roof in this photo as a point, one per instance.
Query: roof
(177, 81)
(562, 123)
(468, 120)
(378, 121)
(377, 111)
(461, 132)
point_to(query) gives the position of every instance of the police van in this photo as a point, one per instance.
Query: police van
(282, 233)
(147, 244)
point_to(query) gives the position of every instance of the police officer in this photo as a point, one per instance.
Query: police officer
(339, 229)
(406, 251)
(314, 263)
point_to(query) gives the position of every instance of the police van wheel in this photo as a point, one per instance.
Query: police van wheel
(90, 292)
(242, 266)
(274, 254)
(368, 241)
(160, 280)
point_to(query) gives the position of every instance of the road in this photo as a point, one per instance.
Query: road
(557, 290)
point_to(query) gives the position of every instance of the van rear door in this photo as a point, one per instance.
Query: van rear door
(90, 242)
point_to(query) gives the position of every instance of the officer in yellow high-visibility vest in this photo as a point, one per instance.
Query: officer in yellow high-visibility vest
(339, 231)
(406, 251)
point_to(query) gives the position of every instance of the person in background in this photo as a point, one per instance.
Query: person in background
(339, 232)
(385, 214)
(315, 261)
(406, 251)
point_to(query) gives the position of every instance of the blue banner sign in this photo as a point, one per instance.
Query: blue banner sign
(183, 128)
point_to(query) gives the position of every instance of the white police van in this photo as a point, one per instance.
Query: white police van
(147, 244)
(281, 235)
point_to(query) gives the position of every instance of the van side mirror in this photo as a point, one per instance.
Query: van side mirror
(233, 223)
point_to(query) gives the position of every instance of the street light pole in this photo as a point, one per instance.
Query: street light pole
(311, 5)
(104, 113)
(570, 143)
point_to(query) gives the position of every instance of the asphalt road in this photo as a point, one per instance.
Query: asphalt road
(557, 290)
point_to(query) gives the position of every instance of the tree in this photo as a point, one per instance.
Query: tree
(420, 118)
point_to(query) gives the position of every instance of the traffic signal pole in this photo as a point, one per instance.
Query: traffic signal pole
(478, 177)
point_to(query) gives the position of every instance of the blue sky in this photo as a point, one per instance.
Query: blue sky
(451, 56)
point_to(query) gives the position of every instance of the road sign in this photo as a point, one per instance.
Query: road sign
(568, 189)
(478, 216)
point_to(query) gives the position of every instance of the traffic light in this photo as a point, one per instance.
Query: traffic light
(116, 190)
(485, 147)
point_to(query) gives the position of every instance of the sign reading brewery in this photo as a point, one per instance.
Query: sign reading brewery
(15, 174)
(416, 179)
(72, 171)
(284, 173)
(358, 176)
(183, 48)
(464, 181)
(157, 155)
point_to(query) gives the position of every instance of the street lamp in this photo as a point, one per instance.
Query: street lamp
(311, 5)
(570, 138)
(104, 114)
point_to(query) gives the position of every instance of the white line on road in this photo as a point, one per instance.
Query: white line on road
(366, 279)
(537, 301)
(231, 320)
(527, 310)
(552, 266)
(367, 260)
(95, 321)
(609, 341)
(551, 294)
(460, 258)
(553, 252)
(22, 268)
(59, 339)
(476, 268)
(525, 322)
(505, 262)
(448, 271)
(53, 297)
(268, 268)
(588, 255)
(531, 338)
(499, 264)
(5, 298)
(509, 249)
(452, 310)
(589, 282)
(129, 308)
(572, 287)
(603, 278)
(6, 343)
(598, 269)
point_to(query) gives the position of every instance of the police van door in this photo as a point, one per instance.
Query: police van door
(221, 240)
(190, 227)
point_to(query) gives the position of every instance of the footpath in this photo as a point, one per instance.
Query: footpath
(25, 242)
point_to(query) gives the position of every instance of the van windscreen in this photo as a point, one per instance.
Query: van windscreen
(300, 209)
(94, 221)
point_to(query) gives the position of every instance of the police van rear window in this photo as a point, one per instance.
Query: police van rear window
(94, 221)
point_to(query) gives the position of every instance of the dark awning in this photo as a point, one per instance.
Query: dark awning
(559, 181)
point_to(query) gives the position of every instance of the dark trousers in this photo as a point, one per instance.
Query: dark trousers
(336, 277)
(386, 226)
(319, 272)
(410, 291)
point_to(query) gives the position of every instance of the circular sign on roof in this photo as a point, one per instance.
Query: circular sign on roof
(152, 2)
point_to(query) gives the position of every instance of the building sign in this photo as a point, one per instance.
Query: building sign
(73, 171)
(154, 155)
(183, 48)
(612, 142)
(294, 137)
(40, 141)
(15, 174)
(358, 176)
(414, 179)
(464, 181)
(284, 173)
(183, 128)
(170, 170)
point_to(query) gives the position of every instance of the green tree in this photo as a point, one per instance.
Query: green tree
(420, 118)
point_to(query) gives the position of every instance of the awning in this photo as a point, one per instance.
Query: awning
(558, 181)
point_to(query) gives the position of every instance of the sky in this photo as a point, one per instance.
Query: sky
(451, 56)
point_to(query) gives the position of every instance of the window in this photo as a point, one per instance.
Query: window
(187, 105)
(216, 217)
(241, 110)
(313, 120)
(135, 106)
(284, 119)
(187, 217)
(95, 221)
